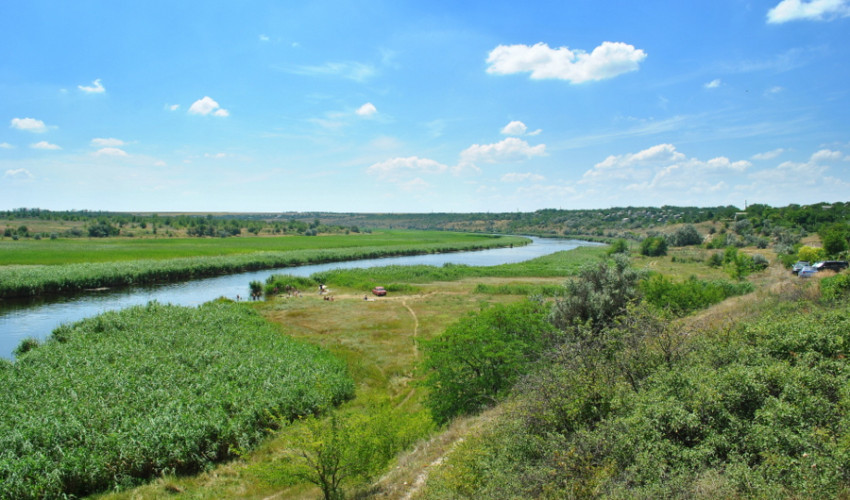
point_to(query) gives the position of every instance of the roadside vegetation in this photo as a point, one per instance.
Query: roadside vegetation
(125, 396)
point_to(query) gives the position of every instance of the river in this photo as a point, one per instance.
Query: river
(36, 318)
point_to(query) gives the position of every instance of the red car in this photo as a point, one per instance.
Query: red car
(379, 291)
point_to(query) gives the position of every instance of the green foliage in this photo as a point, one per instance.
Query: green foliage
(553, 265)
(740, 265)
(756, 411)
(619, 245)
(350, 448)
(520, 289)
(653, 246)
(689, 295)
(26, 345)
(811, 254)
(715, 259)
(835, 287)
(125, 396)
(475, 361)
(597, 295)
(685, 236)
(835, 239)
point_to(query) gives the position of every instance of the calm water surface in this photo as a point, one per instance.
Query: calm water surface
(38, 317)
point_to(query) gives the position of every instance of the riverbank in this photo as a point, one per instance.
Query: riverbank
(34, 280)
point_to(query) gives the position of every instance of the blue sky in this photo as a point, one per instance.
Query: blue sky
(394, 106)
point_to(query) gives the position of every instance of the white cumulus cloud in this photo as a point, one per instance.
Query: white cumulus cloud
(367, 109)
(106, 142)
(713, 84)
(576, 66)
(812, 10)
(95, 88)
(508, 150)
(110, 152)
(662, 170)
(29, 124)
(515, 128)
(44, 145)
(206, 106)
(6, 145)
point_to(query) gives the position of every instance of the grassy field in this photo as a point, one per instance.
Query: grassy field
(116, 263)
(70, 251)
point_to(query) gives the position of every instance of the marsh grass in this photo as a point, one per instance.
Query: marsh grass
(20, 280)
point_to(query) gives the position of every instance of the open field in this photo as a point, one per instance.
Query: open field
(72, 251)
(120, 262)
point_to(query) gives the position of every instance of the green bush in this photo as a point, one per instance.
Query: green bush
(619, 245)
(653, 246)
(685, 236)
(474, 363)
(597, 295)
(836, 286)
(689, 295)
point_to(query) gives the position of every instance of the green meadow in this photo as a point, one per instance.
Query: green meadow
(73, 265)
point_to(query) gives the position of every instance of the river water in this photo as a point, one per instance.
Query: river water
(20, 319)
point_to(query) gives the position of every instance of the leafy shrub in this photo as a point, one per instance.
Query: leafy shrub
(715, 259)
(597, 295)
(476, 360)
(835, 286)
(689, 295)
(619, 245)
(685, 236)
(811, 254)
(653, 246)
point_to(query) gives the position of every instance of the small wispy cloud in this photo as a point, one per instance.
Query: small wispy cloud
(768, 155)
(356, 71)
(95, 88)
(44, 145)
(29, 125)
(264, 38)
(106, 142)
(110, 152)
(518, 177)
(172, 107)
(6, 145)
(713, 84)
(17, 174)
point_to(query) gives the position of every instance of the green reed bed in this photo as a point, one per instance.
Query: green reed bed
(398, 278)
(37, 280)
(116, 399)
